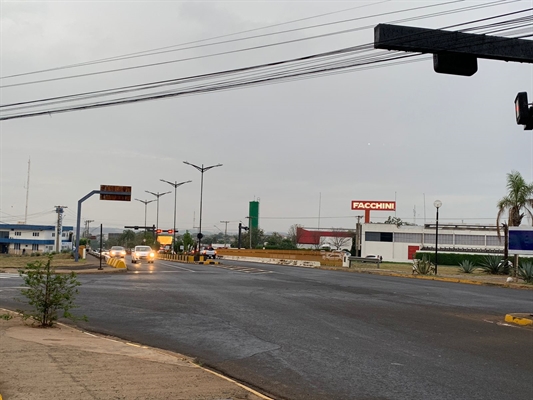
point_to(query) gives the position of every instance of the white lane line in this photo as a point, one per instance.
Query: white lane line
(6, 275)
(175, 266)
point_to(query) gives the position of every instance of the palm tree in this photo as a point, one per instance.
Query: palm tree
(518, 199)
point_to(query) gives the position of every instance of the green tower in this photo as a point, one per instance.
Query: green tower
(254, 214)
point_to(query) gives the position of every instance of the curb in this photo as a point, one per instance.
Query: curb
(522, 319)
(205, 263)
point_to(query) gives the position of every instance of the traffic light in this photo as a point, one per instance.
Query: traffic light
(158, 231)
(524, 113)
(171, 231)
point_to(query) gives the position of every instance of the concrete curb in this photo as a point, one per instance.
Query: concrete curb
(522, 319)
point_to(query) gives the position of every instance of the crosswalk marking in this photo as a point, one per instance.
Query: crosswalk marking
(7, 275)
(246, 270)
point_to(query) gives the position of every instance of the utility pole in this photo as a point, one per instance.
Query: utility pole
(225, 232)
(201, 169)
(59, 227)
(240, 229)
(158, 195)
(87, 226)
(358, 234)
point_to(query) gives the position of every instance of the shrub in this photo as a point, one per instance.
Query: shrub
(525, 271)
(494, 265)
(48, 292)
(423, 266)
(467, 266)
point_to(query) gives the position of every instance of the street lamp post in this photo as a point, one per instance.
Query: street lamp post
(145, 202)
(202, 169)
(176, 185)
(437, 204)
(158, 195)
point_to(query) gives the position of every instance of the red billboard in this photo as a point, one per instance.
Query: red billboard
(373, 205)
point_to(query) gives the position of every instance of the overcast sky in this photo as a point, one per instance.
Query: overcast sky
(304, 148)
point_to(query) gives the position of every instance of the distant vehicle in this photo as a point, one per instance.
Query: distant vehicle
(104, 252)
(117, 251)
(142, 253)
(374, 257)
(208, 252)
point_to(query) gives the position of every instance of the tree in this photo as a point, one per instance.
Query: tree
(518, 199)
(128, 238)
(188, 242)
(395, 221)
(338, 241)
(48, 292)
(517, 202)
(294, 234)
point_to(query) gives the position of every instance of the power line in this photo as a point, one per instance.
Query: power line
(269, 76)
(441, 13)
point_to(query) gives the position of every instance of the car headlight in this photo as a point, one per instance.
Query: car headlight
(123, 253)
(152, 255)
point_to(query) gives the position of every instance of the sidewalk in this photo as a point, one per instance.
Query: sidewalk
(64, 363)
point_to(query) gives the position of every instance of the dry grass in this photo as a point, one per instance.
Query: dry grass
(12, 261)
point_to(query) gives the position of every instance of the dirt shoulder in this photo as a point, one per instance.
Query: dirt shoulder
(65, 363)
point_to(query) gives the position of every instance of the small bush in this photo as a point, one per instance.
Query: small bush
(48, 292)
(467, 266)
(525, 271)
(6, 317)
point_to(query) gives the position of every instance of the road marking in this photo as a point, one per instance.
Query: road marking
(246, 270)
(7, 275)
(175, 266)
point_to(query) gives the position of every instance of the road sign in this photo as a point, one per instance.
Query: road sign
(116, 192)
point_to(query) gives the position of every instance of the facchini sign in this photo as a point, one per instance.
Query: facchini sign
(373, 205)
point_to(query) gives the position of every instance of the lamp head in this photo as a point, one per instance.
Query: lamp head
(437, 203)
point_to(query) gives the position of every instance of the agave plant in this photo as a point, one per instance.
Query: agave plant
(495, 265)
(525, 271)
(423, 266)
(467, 266)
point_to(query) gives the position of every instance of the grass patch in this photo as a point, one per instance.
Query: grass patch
(60, 260)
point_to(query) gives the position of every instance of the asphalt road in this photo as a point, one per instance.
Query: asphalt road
(301, 333)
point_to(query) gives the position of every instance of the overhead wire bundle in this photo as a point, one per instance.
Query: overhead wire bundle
(364, 56)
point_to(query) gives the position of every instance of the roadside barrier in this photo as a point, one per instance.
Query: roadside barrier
(186, 259)
(115, 262)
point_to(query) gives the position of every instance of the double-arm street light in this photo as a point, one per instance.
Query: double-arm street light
(176, 185)
(145, 202)
(158, 195)
(437, 204)
(202, 169)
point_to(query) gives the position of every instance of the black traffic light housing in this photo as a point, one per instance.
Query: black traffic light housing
(241, 227)
(524, 113)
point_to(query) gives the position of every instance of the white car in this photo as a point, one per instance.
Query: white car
(142, 253)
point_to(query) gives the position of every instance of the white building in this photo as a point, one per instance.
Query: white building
(401, 243)
(27, 239)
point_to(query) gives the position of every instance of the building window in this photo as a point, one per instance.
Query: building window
(35, 233)
(470, 240)
(35, 246)
(494, 241)
(16, 246)
(63, 234)
(408, 237)
(378, 236)
(18, 233)
(53, 234)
